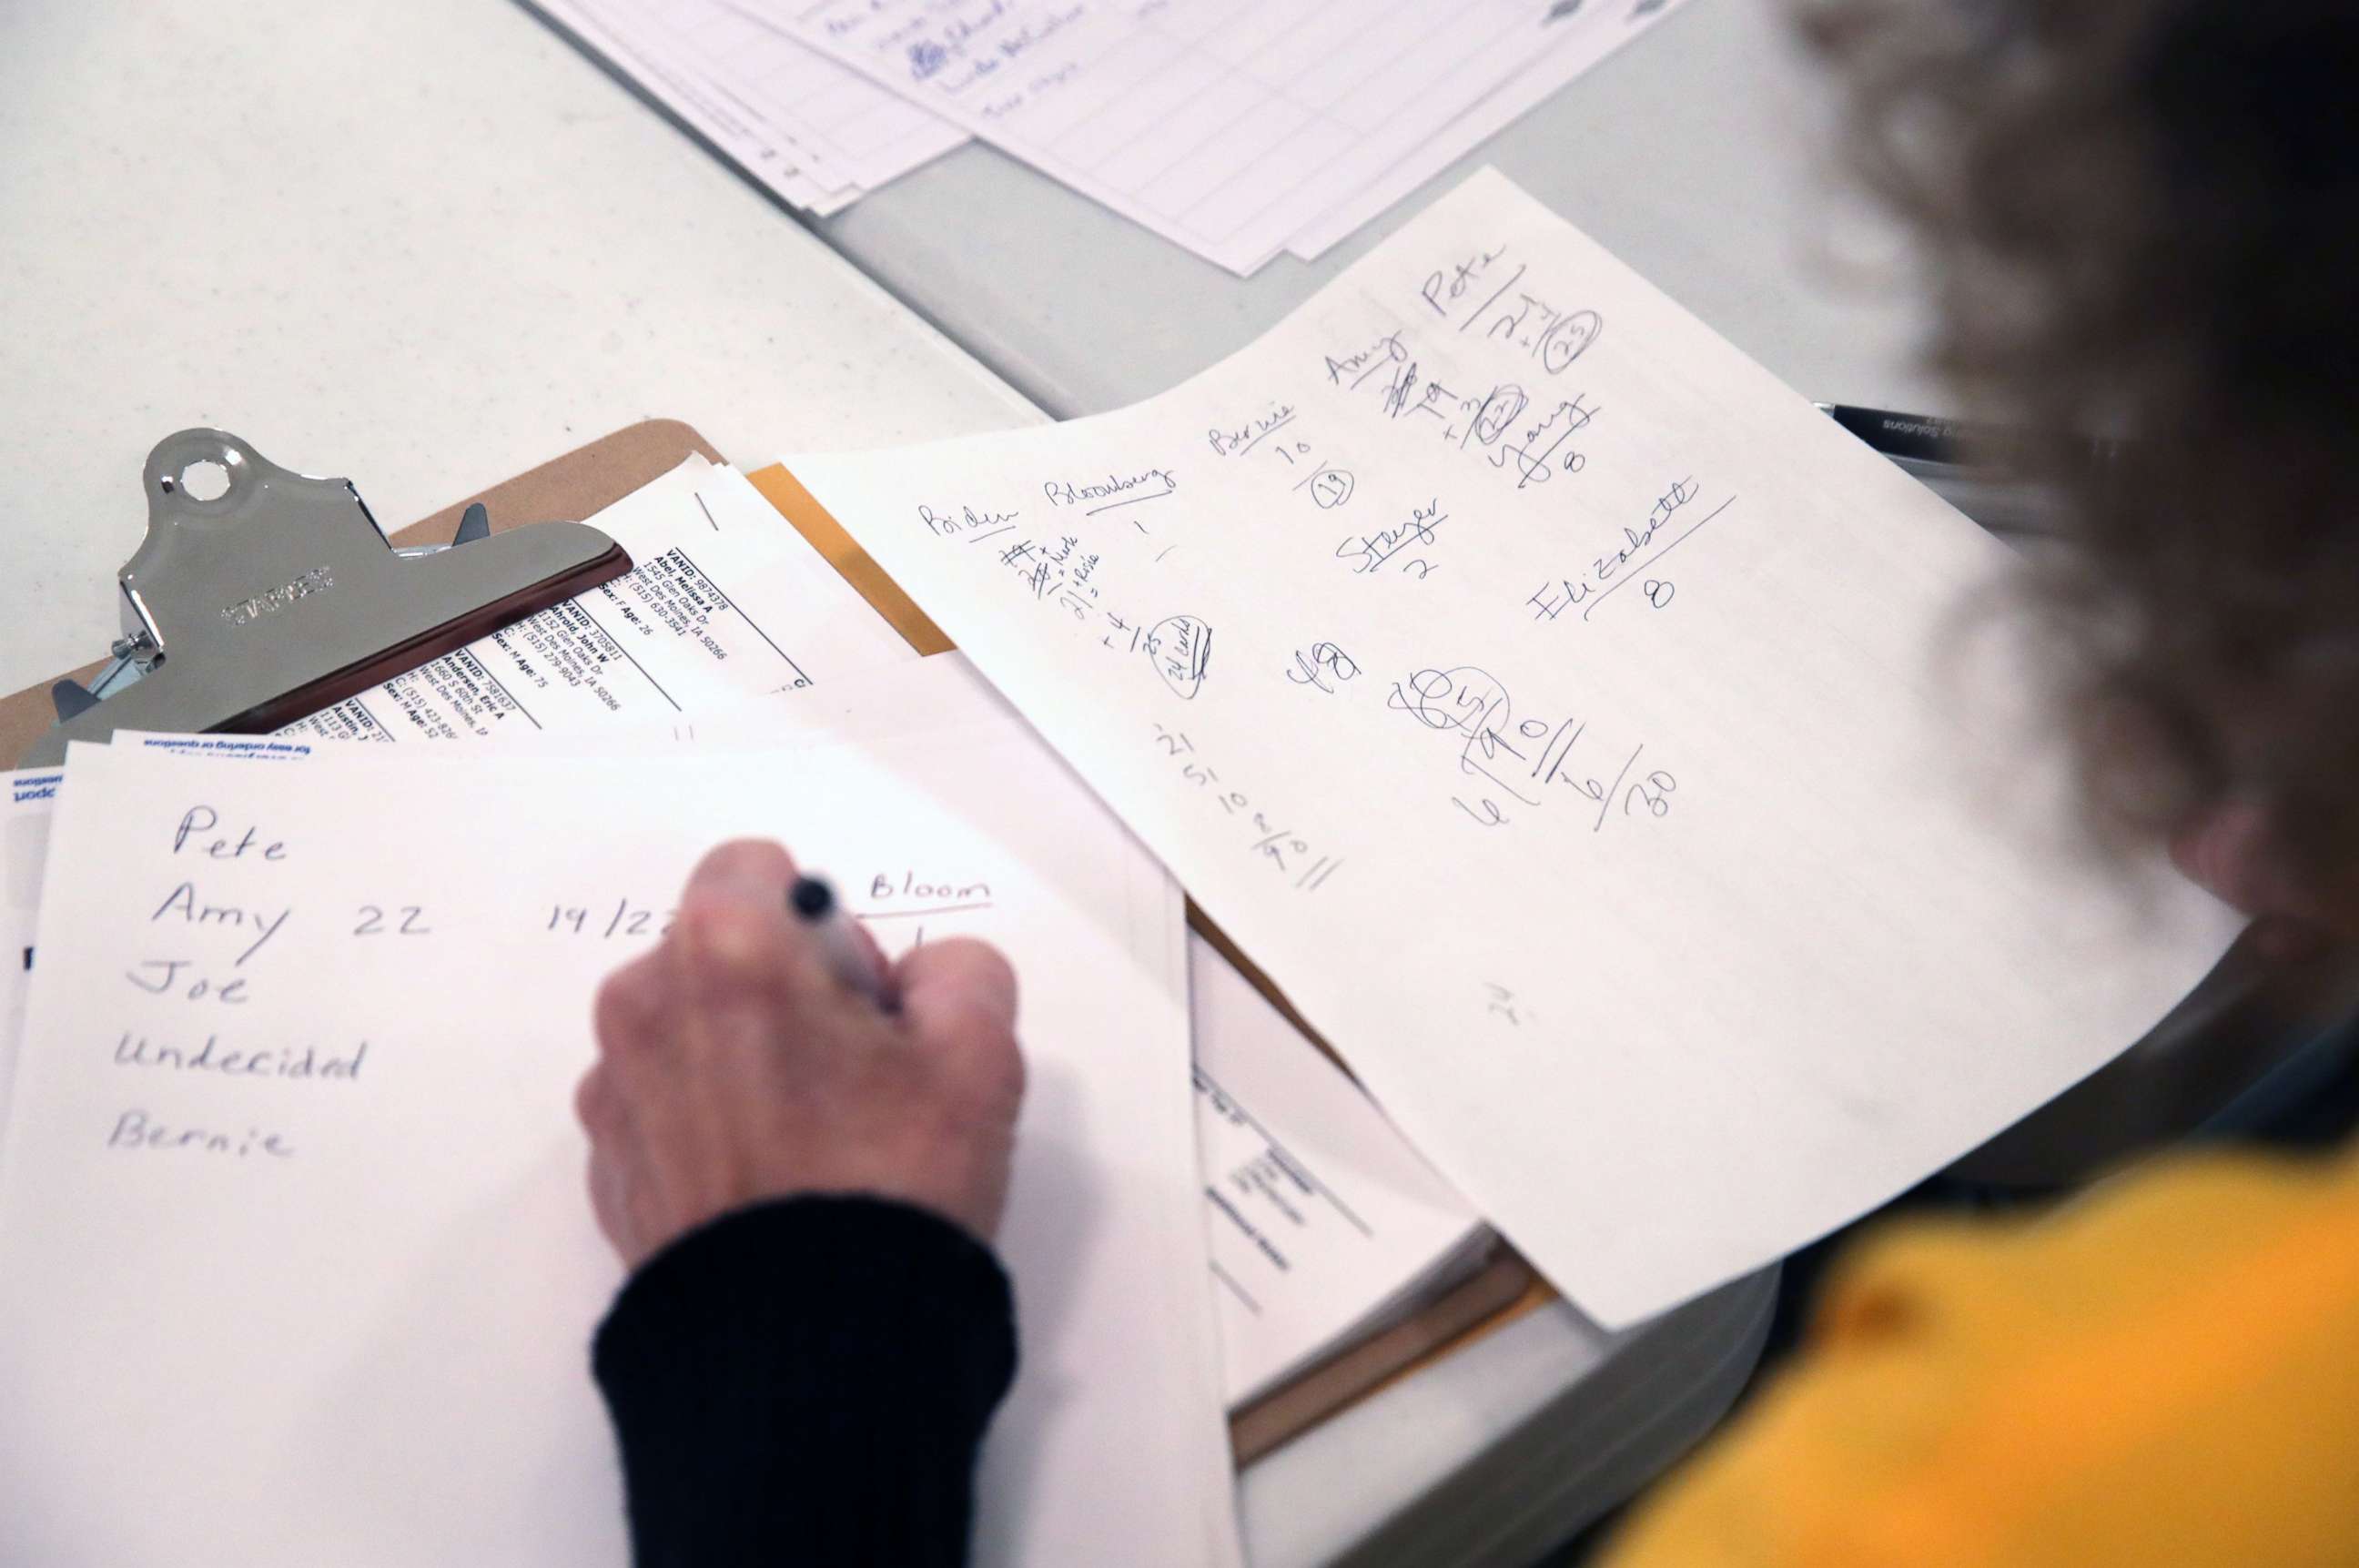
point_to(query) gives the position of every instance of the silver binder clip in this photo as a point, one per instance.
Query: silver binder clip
(261, 595)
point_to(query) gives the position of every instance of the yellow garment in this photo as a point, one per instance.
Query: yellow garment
(2166, 1372)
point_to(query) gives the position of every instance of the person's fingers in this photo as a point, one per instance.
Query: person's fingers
(628, 1007)
(749, 870)
(734, 935)
(595, 1106)
(608, 1207)
(955, 981)
(2229, 851)
(958, 999)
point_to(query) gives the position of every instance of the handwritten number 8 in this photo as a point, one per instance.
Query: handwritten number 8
(1658, 591)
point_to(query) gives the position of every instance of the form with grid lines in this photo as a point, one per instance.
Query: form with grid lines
(1226, 126)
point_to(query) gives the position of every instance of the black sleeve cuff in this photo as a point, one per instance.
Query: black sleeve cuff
(807, 1382)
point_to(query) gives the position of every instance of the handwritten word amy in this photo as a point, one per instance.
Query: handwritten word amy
(183, 905)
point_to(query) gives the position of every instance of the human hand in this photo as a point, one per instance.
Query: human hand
(734, 1067)
(2232, 852)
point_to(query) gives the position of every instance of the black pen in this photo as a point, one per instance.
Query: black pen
(840, 947)
(1931, 445)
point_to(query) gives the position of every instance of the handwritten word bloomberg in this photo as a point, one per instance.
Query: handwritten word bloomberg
(1112, 493)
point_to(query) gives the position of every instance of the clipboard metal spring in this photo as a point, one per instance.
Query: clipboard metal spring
(261, 595)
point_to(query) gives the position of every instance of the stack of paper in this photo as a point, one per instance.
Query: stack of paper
(1580, 729)
(1567, 717)
(1238, 129)
(732, 639)
(816, 134)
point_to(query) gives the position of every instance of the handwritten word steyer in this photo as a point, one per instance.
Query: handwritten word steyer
(1555, 706)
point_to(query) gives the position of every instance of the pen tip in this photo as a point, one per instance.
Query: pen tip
(812, 897)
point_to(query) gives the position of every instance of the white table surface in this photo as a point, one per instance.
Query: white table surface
(427, 246)
(1702, 154)
(423, 245)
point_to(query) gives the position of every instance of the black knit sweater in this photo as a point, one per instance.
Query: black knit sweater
(806, 1382)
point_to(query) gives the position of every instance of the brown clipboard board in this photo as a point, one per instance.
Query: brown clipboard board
(1501, 1291)
(586, 480)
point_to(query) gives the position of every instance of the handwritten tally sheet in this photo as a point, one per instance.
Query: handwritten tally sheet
(1563, 714)
(293, 1162)
(1226, 126)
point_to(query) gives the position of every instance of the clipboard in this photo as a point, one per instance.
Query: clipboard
(1501, 1291)
(593, 478)
(584, 481)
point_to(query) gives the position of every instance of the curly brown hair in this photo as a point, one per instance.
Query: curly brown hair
(2141, 221)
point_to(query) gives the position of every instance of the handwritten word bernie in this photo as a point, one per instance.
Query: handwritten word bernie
(198, 821)
(137, 1130)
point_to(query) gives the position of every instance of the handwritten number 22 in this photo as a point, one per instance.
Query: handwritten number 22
(373, 919)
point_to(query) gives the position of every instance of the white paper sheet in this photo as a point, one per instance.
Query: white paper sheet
(1574, 724)
(769, 153)
(768, 576)
(1219, 124)
(727, 601)
(1579, 38)
(854, 128)
(379, 1286)
(1322, 1221)
(27, 800)
(1325, 1223)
